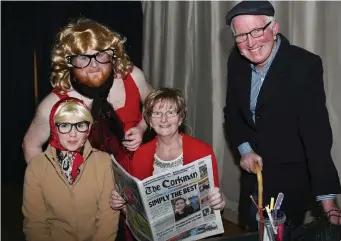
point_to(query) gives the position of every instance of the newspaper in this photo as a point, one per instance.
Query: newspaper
(172, 205)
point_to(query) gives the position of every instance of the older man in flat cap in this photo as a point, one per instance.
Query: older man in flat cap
(276, 116)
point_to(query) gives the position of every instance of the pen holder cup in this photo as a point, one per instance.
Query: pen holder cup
(269, 233)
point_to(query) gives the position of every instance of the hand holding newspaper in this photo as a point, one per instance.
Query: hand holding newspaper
(172, 205)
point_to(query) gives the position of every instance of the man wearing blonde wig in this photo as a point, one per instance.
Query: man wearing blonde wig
(89, 62)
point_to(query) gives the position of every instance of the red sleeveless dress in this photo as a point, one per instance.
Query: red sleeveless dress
(130, 114)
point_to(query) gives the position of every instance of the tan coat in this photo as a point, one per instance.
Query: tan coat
(54, 210)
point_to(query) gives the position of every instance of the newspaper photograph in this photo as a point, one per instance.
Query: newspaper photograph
(172, 205)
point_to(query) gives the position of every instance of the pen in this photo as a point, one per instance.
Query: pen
(279, 201)
(278, 204)
(270, 219)
(272, 203)
(254, 202)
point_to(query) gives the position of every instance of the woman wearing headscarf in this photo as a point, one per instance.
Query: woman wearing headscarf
(67, 187)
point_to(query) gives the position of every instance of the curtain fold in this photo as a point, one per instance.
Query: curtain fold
(186, 45)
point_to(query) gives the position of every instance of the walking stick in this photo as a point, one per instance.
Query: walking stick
(260, 201)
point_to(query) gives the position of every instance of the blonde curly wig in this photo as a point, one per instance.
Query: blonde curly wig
(76, 38)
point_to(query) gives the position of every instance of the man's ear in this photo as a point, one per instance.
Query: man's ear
(275, 29)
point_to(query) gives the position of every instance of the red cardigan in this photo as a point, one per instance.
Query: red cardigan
(141, 166)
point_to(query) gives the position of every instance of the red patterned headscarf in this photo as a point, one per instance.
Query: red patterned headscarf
(54, 138)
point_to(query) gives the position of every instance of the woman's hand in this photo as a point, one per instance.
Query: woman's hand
(133, 138)
(216, 199)
(116, 201)
(179, 211)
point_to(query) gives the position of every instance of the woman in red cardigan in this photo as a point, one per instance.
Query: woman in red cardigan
(165, 112)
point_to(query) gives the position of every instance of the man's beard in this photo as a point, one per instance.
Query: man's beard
(107, 124)
(92, 92)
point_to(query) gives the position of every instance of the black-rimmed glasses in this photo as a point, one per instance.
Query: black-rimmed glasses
(255, 33)
(65, 127)
(81, 61)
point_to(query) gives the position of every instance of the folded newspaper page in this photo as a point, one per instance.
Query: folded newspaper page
(172, 205)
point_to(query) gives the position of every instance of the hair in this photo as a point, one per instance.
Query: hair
(69, 109)
(164, 95)
(177, 199)
(266, 20)
(79, 36)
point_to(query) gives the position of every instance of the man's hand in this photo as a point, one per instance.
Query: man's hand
(133, 138)
(248, 161)
(332, 211)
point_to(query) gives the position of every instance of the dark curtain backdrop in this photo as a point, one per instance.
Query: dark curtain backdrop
(26, 25)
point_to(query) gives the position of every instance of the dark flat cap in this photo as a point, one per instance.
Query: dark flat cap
(250, 8)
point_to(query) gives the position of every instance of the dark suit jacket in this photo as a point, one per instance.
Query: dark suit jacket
(292, 132)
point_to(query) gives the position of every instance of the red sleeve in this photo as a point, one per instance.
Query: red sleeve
(196, 149)
(135, 167)
(141, 165)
